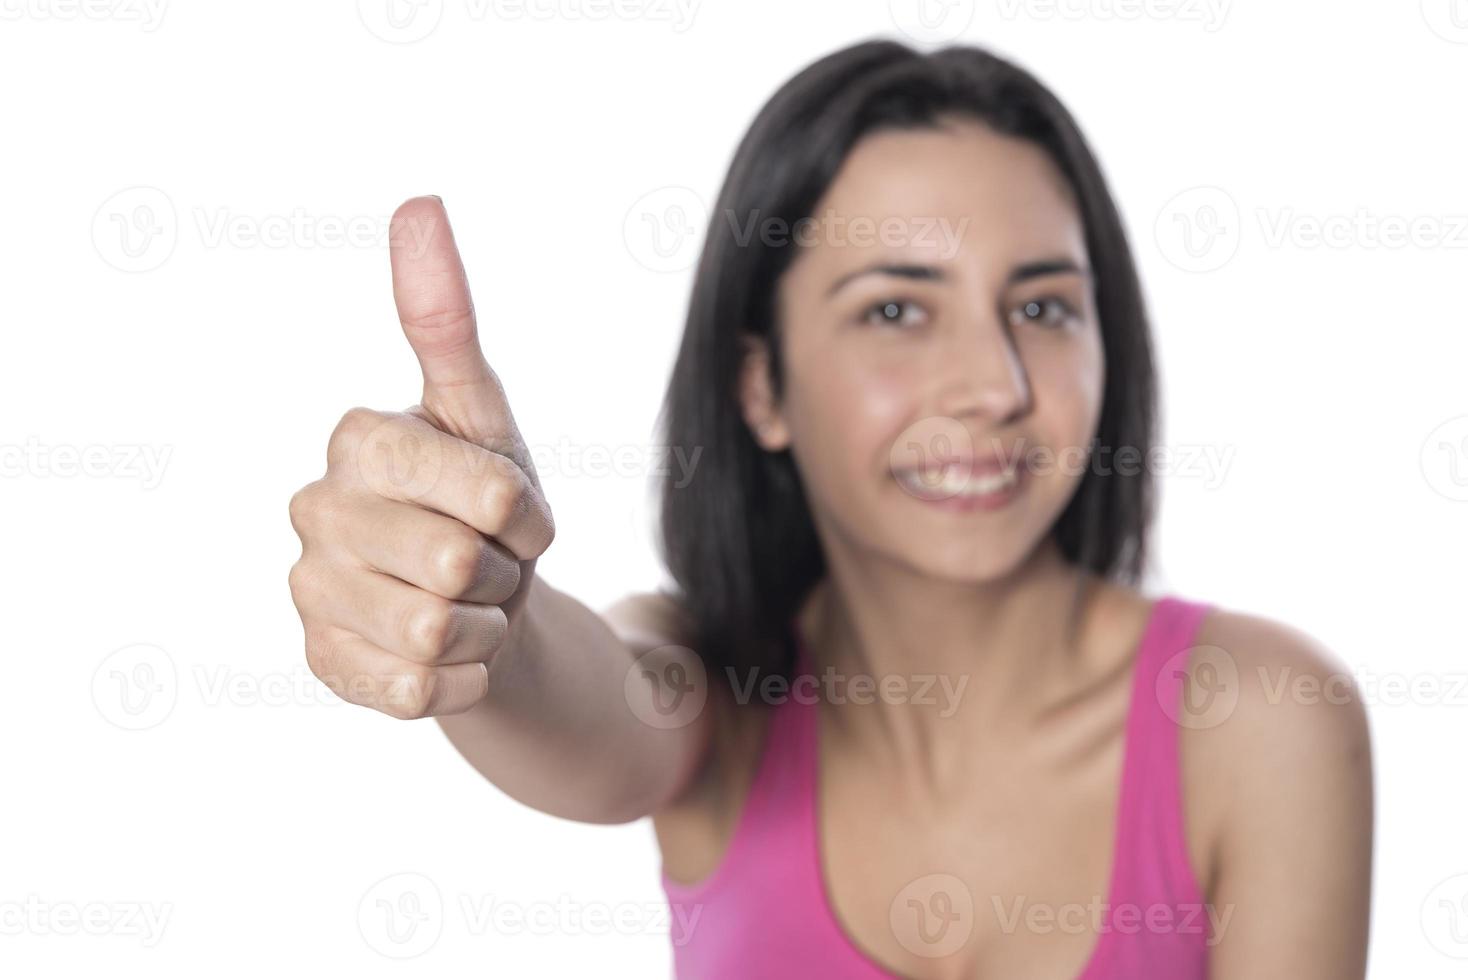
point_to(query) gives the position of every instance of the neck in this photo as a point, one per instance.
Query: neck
(943, 663)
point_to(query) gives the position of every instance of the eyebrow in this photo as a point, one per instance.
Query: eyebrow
(932, 273)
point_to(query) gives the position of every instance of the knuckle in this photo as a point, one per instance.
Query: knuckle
(428, 629)
(302, 584)
(308, 508)
(457, 562)
(350, 431)
(500, 497)
(512, 576)
(299, 509)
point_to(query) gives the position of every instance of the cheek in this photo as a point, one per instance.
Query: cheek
(843, 414)
(1068, 382)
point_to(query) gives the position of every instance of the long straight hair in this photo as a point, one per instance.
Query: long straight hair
(737, 535)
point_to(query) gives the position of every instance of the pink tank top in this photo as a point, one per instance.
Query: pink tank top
(764, 912)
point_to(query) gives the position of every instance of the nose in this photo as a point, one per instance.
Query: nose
(980, 372)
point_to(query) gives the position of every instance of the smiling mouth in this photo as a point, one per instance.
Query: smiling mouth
(952, 481)
(962, 482)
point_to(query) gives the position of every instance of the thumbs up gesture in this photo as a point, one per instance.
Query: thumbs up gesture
(419, 544)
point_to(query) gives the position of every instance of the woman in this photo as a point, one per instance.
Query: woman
(906, 711)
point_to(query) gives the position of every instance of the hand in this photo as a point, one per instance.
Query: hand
(418, 546)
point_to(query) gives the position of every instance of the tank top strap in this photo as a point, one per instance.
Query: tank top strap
(770, 851)
(1152, 861)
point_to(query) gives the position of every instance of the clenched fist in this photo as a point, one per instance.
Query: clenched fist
(419, 544)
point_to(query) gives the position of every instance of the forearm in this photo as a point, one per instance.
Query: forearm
(557, 731)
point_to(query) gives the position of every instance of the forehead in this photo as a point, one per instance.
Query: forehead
(959, 193)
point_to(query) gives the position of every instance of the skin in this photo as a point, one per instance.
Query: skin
(416, 583)
(1014, 789)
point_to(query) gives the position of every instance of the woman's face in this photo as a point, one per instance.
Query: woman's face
(938, 315)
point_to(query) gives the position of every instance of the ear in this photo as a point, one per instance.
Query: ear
(757, 395)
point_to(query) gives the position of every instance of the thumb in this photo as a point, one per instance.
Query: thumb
(430, 289)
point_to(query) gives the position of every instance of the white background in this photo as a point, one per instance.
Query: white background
(228, 793)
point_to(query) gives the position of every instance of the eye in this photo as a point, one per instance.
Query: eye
(1049, 311)
(893, 313)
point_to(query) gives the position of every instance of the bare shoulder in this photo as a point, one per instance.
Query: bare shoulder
(646, 621)
(652, 622)
(1272, 682)
(694, 829)
(1278, 775)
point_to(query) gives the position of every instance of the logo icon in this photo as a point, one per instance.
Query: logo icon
(135, 687)
(933, 916)
(398, 462)
(1445, 458)
(922, 448)
(1448, 19)
(1210, 689)
(401, 916)
(400, 21)
(1445, 917)
(136, 229)
(667, 687)
(932, 21)
(664, 229)
(1198, 230)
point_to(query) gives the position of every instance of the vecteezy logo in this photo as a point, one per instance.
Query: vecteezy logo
(922, 457)
(1198, 230)
(1445, 458)
(401, 916)
(933, 916)
(667, 687)
(400, 463)
(664, 228)
(400, 21)
(932, 21)
(1209, 685)
(135, 687)
(1448, 19)
(1445, 917)
(136, 229)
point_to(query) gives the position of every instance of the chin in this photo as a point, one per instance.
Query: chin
(972, 558)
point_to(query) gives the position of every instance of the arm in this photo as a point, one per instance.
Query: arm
(1294, 847)
(564, 729)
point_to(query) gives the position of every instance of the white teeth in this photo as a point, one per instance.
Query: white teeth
(955, 483)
